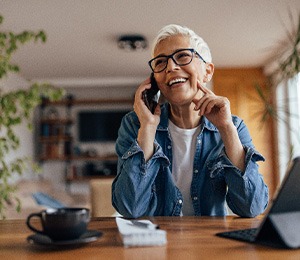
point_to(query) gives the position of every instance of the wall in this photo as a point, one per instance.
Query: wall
(15, 82)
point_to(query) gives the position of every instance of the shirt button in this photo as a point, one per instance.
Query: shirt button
(195, 171)
(180, 201)
(195, 198)
(199, 141)
(169, 147)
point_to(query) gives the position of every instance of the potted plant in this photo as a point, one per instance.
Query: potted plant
(286, 64)
(16, 108)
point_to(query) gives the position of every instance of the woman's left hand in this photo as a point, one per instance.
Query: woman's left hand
(215, 108)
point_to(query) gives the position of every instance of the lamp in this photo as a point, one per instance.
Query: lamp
(132, 42)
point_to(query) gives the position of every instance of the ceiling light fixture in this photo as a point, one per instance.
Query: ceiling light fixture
(132, 42)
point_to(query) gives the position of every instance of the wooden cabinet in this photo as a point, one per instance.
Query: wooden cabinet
(55, 141)
(238, 85)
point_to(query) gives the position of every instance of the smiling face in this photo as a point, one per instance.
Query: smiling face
(178, 84)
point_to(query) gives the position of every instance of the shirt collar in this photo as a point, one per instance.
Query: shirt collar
(163, 124)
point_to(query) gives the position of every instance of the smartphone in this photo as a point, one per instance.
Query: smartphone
(150, 96)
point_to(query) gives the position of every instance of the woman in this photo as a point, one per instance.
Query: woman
(191, 155)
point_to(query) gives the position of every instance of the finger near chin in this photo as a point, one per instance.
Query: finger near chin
(201, 87)
(208, 107)
(196, 103)
(204, 89)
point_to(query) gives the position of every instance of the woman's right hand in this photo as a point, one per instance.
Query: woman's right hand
(148, 121)
(145, 116)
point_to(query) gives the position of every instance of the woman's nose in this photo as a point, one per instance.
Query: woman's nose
(171, 65)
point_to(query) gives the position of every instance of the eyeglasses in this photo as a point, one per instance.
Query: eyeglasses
(180, 57)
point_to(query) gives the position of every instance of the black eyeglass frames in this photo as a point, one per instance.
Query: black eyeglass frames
(180, 57)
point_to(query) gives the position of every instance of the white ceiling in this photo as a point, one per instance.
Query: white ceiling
(82, 34)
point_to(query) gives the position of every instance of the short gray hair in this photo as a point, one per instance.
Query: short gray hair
(195, 40)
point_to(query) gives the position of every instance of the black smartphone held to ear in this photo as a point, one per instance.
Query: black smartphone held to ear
(150, 96)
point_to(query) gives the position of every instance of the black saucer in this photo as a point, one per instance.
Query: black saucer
(89, 236)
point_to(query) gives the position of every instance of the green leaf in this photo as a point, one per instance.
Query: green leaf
(16, 107)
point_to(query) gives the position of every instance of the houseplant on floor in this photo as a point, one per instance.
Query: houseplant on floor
(16, 108)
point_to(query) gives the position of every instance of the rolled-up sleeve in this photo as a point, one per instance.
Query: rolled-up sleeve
(247, 194)
(133, 188)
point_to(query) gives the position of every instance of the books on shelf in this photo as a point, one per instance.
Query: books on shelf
(57, 149)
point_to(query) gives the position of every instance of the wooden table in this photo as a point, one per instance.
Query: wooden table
(188, 238)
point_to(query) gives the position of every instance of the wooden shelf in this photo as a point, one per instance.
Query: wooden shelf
(54, 158)
(94, 158)
(72, 102)
(88, 178)
(80, 158)
(55, 140)
(58, 121)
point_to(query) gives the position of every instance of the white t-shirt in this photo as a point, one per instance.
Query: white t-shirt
(183, 150)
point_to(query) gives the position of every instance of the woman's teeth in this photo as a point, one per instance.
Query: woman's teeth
(179, 80)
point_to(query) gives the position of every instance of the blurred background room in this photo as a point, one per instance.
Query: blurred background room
(97, 53)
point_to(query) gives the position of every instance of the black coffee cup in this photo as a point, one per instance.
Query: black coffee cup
(62, 223)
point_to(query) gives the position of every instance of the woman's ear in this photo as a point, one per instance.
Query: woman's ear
(209, 69)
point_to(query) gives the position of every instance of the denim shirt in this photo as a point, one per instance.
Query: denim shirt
(147, 189)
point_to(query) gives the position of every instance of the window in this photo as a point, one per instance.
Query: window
(288, 104)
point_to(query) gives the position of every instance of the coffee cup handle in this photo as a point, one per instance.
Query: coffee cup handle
(39, 215)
